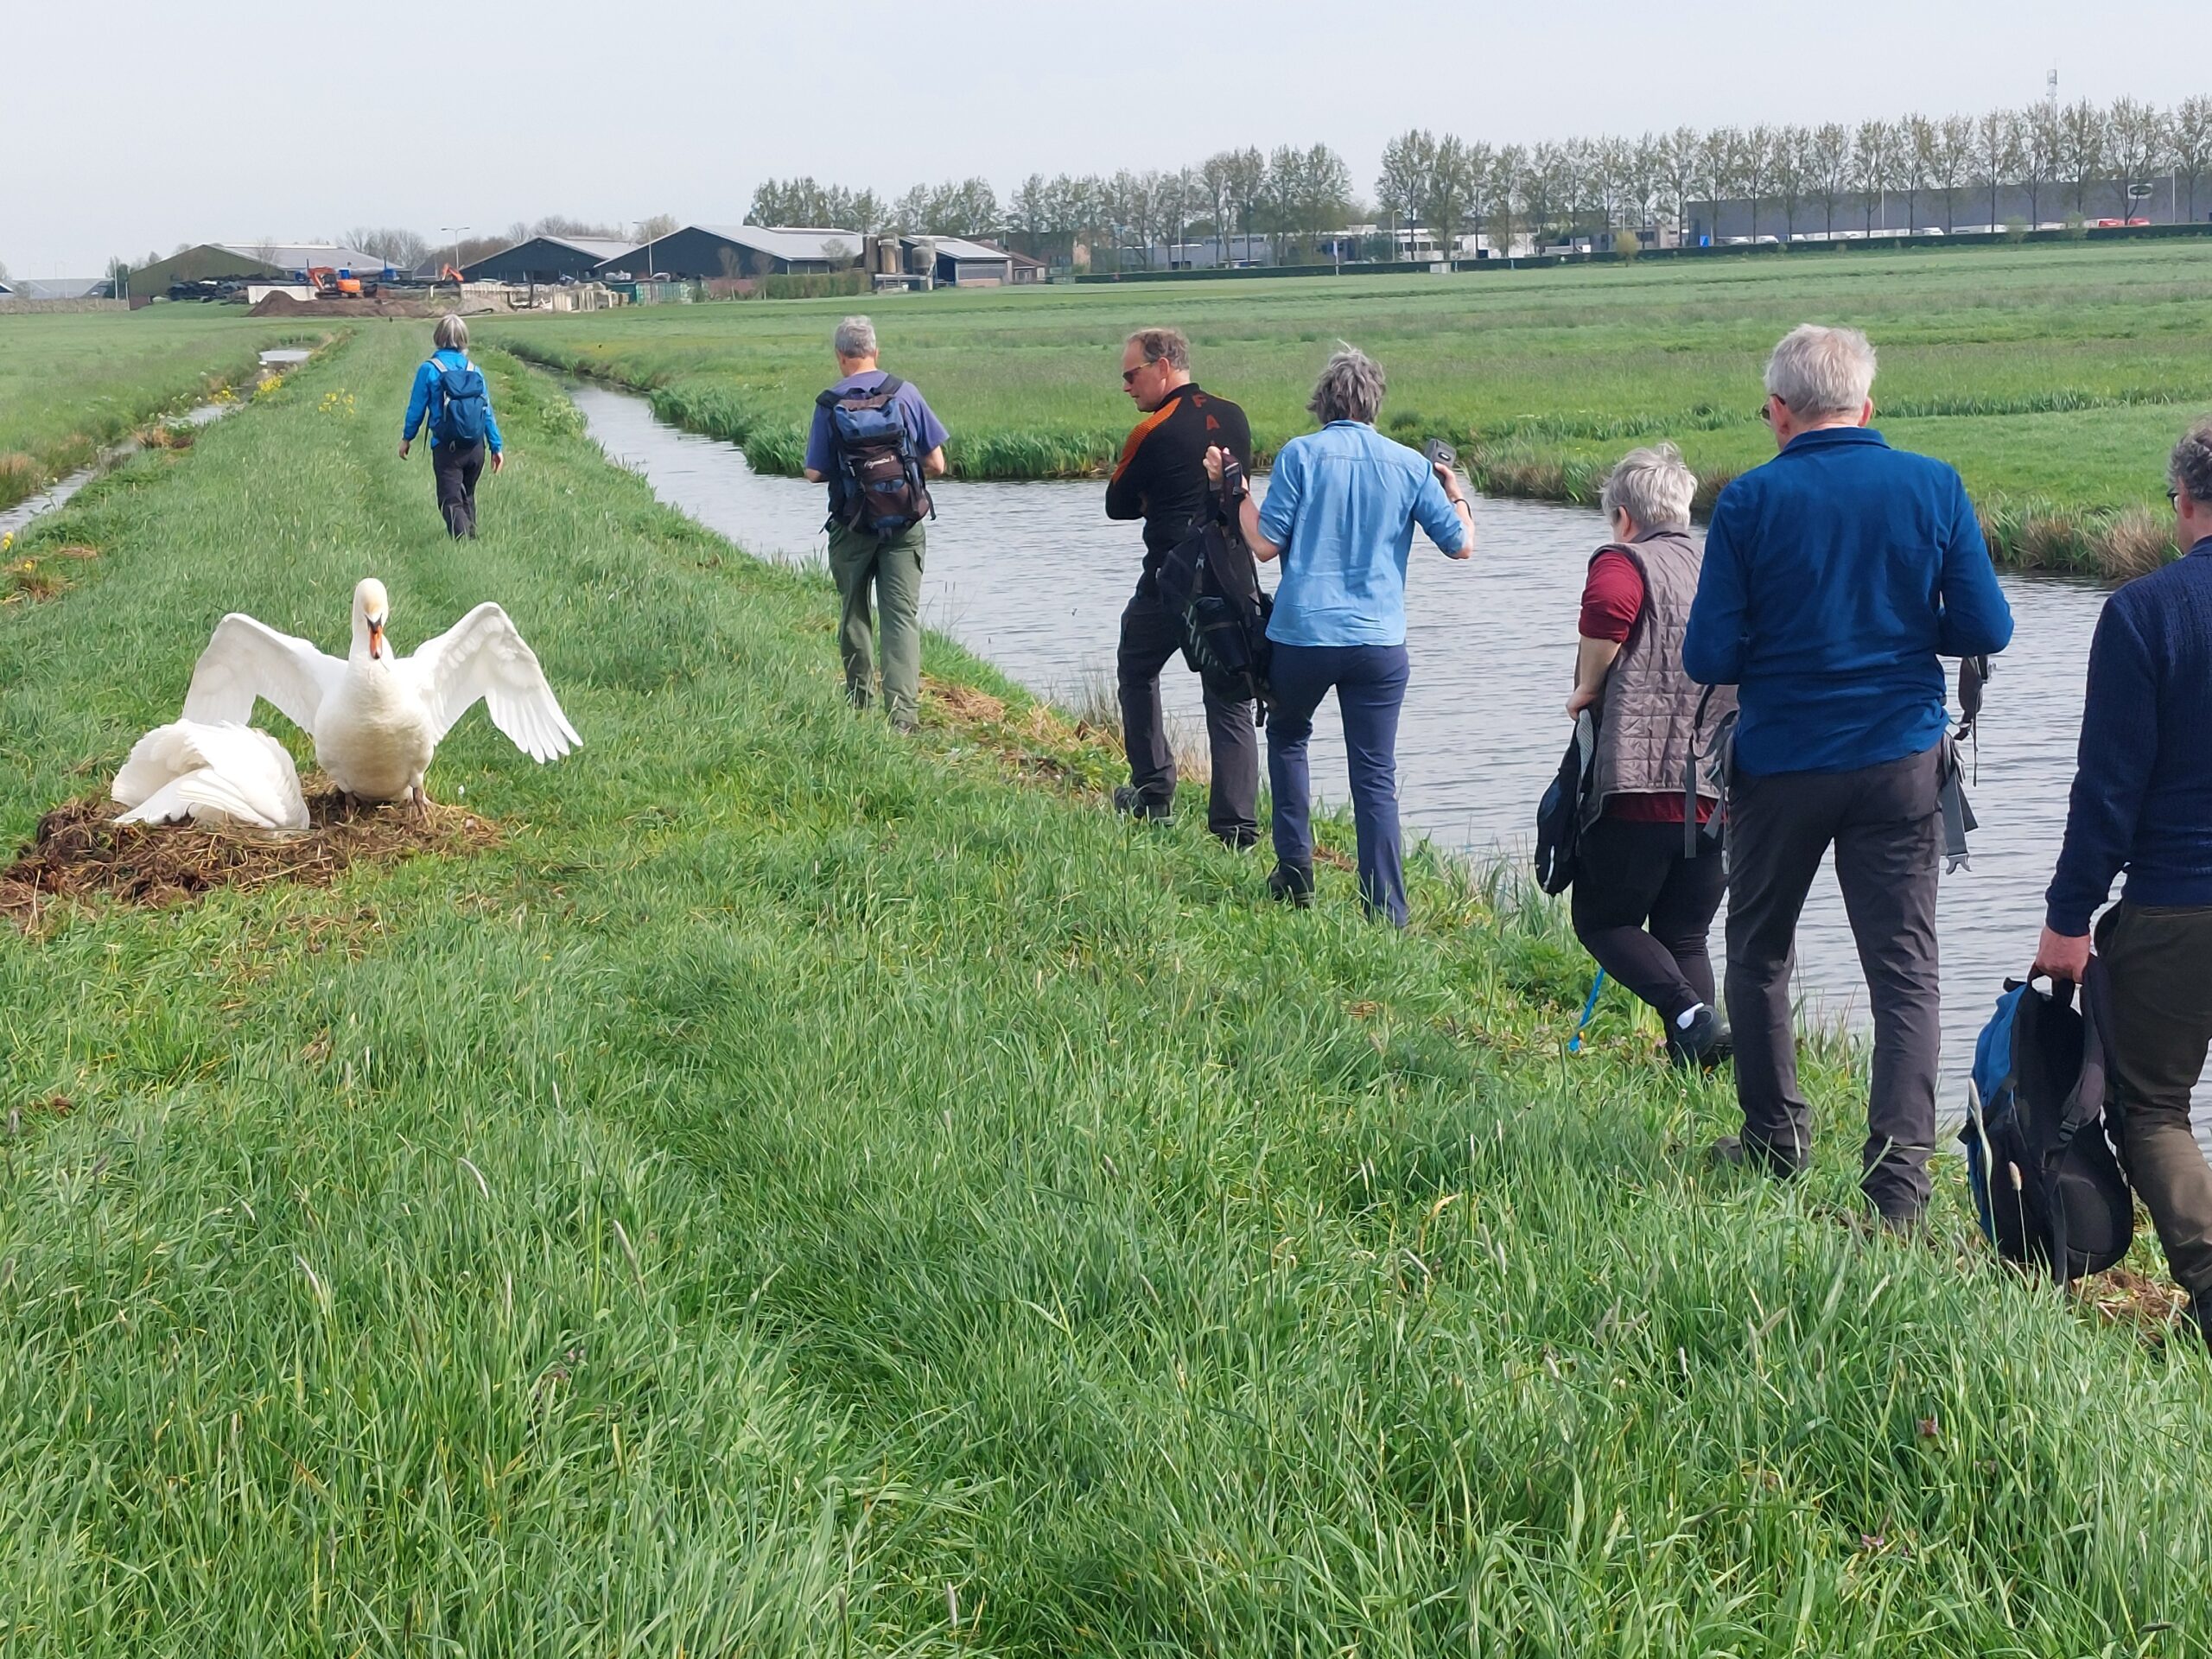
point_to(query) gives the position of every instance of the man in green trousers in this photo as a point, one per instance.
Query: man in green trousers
(875, 442)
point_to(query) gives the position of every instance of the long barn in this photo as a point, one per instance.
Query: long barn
(545, 259)
(700, 251)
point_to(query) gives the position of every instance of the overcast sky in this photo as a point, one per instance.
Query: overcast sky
(138, 124)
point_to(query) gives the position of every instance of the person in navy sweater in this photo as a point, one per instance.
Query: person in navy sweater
(1835, 576)
(460, 435)
(2142, 802)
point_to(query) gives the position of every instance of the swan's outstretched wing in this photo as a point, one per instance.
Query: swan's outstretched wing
(248, 659)
(225, 772)
(484, 656)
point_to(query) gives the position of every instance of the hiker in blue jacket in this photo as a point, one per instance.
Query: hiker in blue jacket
(2142, 802)
(1834, 577)
(451, 396)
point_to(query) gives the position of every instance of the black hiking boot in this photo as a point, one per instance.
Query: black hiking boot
(1740, 1152)
(1705, 1043)
(1292, 883)
(1130, 805)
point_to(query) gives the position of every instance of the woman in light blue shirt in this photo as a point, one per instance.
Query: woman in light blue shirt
(1340, 512)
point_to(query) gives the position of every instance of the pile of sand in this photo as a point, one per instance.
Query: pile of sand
(284, 305)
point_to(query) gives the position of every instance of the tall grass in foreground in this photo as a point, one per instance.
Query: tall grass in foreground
(810, 1192)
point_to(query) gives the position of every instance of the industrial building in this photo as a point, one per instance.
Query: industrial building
(698, 252)
(252, 261)
(545, 259)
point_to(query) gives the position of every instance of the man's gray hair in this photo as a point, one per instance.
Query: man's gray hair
(855, 337)
(1652, 486)
(1351, 388)
(1822, 372)
(451, 334)
(1168, 346)
(2189, 469)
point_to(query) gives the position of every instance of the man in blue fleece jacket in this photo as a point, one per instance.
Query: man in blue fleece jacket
(1836, 576)
(2142, 802)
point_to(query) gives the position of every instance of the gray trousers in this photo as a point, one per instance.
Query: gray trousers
(1886, 827)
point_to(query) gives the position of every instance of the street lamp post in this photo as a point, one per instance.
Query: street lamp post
(456, 232)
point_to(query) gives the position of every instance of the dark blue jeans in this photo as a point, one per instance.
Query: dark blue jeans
(1369, 682)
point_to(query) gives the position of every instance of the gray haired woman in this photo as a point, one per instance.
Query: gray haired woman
(450, 395)
(1642, 905)
(1341, 508)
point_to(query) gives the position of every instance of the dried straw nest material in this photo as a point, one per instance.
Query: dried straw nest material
(80, 852)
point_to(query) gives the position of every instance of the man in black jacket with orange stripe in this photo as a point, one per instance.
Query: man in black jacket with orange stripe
(1161, 478)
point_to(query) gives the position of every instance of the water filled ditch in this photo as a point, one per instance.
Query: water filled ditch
(1033, 576)
(16, 518)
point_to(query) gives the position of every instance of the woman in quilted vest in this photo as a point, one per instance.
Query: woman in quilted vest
(1645, 888)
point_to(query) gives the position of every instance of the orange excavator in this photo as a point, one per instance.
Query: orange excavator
(329, 285)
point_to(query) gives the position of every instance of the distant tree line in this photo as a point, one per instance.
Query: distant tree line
(1289, 194)
(2080, 158)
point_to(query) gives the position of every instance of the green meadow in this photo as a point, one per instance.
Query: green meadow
(74, 383)
(810, 1192)
(2055, 378)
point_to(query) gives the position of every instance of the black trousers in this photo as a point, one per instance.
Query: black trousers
(1644, 910)
(1886, 827)
(1149, 638)
(456, 466)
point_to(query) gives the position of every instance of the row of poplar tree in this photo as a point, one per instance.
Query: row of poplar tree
(2077, 160)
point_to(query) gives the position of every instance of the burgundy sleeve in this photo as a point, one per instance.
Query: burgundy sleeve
(1611, 599)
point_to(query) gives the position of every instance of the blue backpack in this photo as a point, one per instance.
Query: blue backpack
(879, 476)
(2049, 1191)
(463, 405)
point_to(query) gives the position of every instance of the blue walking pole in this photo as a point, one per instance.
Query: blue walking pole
(1588, 1008)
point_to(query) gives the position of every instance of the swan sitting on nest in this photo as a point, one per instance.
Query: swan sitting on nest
(214, 774)
(377, 718)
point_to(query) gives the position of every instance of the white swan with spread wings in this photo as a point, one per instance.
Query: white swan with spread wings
(377, 718)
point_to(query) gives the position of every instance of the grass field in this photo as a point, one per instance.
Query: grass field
(807, 1192)
(2054, 377)
(73, 383)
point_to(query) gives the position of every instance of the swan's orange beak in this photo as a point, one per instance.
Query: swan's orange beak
(376, 638)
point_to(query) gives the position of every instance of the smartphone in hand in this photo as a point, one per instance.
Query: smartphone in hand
(1441, 454)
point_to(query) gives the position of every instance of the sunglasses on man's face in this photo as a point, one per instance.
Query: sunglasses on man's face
(2173, 497)
(1766, 412)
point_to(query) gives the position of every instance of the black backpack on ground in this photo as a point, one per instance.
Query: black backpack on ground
(1211, 585)
(879, 488)
(2049, 1191)
(1560, 814)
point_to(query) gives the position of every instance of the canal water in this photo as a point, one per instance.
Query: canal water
(1033, 576)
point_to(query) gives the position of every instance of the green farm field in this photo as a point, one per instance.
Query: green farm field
(2055, 376)
(74, 383)
(806, 1193)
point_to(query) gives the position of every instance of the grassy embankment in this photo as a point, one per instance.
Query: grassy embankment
(72, 383)
(813, 1193)
(2054, 377)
